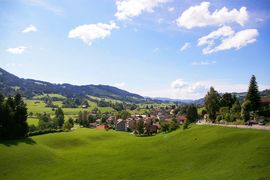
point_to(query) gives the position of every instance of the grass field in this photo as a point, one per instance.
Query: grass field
(32, 121)
(38, 106)
(59, 96)
(200, 152)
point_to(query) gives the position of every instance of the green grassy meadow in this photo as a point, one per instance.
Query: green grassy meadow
(200, 152)
(38, 106)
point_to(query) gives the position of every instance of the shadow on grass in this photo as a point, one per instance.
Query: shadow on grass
(16, 142)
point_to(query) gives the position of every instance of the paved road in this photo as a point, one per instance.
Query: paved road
(238, 126)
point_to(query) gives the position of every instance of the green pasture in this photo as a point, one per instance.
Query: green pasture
(200, 152)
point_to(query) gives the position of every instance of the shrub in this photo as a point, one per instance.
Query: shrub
(68, 125)
(219, 118)
(45, 131)
(185, 125)
(32, 128)
(173, 126)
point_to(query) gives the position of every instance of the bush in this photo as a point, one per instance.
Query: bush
(239, 122)
(32, 128)
(227, 117)
(68, 125)
(173, 126)
(45, 131)
(164, 126)
(185, 125)
(219, 118)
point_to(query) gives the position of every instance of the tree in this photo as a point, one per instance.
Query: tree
(1, 115)
(236, 110)
(2, 98)
(212, 103)
(236, 107)
(253, 95)
(203, 113)
(118, 106)
(20, 117)
(68, 125)
(164, 126)
(224, 110)
(59, 116)
(192, 113)
(71, 121)
(245, 113)
(84, 118)
(227, 100)
(123, 114)
(173, 125)
(13, 115)
(140, 126)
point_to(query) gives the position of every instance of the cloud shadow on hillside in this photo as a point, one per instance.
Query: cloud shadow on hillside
(16, 142)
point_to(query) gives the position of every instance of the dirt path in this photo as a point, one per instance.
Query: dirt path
(238, 126)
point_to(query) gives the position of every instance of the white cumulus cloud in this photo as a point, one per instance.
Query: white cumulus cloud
(186, 46)
(30, 28)
(131, 8)
(239, 40)
(221, 32)
(195, 89)
(178, 84)
(229, 39)
(17, 50)
(90, 32)
(200, 16)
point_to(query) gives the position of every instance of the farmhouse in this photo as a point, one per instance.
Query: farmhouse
(110, 120)
(84, 106)
(98, 121)
(92, 125)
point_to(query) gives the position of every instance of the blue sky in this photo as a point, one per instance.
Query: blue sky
(158, 48)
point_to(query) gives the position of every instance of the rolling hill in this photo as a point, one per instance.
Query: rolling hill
(200, 152)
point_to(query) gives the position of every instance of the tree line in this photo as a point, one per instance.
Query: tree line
(13, 117)
(228, 107)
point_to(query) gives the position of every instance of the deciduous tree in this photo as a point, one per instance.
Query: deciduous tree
(212, 103)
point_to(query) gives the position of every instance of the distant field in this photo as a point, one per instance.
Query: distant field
(200, 152)
(50, 95)
(32, 121)
(38, 106)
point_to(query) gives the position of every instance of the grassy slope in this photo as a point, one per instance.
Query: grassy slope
(31, 120)
(40, 107)
(201, 152)
(50, 95)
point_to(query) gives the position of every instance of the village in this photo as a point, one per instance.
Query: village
(158, 120)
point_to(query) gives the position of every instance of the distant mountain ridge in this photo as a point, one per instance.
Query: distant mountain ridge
(180, 101)
(11, 84)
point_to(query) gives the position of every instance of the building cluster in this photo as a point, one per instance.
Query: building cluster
(151, 121)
